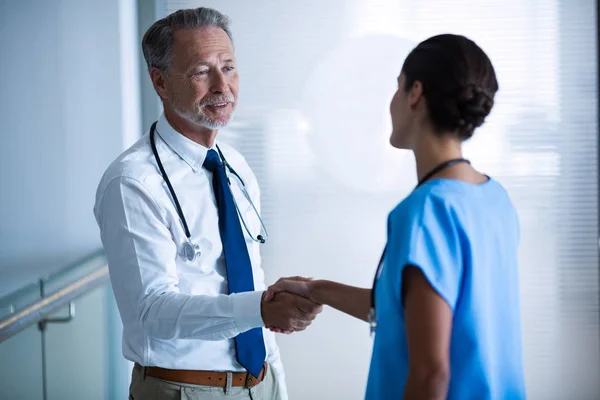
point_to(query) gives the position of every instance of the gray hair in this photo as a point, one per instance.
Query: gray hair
(157, 43)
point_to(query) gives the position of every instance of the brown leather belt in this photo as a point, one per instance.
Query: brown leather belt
(205, 378)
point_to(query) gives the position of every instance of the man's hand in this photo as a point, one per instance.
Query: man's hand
(287, 312)
(351, 300)
(296, 284)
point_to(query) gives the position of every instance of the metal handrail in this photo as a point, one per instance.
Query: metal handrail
(41, 309)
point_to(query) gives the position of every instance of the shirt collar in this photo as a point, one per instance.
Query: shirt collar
(191, 152)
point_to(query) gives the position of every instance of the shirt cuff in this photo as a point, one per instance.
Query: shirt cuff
(246, 310)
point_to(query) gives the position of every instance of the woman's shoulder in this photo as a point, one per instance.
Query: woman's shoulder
(420, 202)
(436, 191)
(452, 200)
(443, 195)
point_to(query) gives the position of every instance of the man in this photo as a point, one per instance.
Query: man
(187, 278)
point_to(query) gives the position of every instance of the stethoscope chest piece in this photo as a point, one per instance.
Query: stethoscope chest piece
(372, 320)
(191, 251)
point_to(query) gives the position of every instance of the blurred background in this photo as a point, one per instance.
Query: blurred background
(316, 80)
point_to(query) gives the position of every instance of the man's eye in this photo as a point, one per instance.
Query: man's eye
(229, 68)
(202, 72)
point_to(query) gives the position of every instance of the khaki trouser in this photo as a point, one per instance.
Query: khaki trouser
(150, 388)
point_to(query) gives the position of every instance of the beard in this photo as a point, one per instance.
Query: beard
(198, 115)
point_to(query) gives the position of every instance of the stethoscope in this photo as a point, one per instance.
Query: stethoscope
(191, 250)
(373, 312)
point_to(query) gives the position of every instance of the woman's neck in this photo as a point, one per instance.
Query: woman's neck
(431, 151)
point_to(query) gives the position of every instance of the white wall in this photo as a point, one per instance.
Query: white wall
(68, 105)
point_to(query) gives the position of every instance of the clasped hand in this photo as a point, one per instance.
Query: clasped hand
(287, 305)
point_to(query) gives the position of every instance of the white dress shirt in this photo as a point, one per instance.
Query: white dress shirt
(177, 314)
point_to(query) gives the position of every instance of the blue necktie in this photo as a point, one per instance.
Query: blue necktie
(250, 345)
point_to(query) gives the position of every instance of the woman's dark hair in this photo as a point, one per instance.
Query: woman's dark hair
(459, 82)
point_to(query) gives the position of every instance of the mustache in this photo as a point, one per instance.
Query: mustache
(217, 99)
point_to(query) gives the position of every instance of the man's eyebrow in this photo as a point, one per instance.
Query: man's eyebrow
(208, 64)
(200, 64)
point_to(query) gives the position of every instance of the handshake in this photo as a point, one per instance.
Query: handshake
(289, 305)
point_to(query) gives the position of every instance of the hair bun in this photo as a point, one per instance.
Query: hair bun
(474, 105)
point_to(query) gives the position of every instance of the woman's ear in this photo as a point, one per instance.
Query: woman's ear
(415, 94)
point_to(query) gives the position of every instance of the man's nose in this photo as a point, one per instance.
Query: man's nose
(218, 84)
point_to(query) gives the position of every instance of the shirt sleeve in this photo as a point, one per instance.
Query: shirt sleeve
(433, 244)
(141, 257)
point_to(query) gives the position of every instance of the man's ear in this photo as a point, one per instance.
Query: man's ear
(160, 82)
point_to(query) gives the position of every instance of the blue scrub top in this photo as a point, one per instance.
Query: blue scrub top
(464, 237)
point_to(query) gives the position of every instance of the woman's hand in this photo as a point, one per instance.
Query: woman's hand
(297, 285)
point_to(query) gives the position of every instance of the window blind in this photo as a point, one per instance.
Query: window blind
(316, 81)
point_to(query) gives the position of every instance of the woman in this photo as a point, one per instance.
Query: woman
(447, 308)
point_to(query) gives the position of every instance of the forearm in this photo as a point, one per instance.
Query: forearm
(173, 315)
(142, 258)
(351, 300)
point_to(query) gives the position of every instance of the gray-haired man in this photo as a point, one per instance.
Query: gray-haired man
(187, 279)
